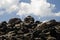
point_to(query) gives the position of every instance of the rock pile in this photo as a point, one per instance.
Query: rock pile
(29, 29)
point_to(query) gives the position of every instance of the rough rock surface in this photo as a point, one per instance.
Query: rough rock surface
(29, 29)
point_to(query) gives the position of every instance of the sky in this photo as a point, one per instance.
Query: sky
(39, 9)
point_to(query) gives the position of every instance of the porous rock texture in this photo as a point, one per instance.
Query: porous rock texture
(29, 29)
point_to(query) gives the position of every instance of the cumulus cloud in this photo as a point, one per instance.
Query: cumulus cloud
(7, 3)
(36, 7)
(8, 6)
(57, 14)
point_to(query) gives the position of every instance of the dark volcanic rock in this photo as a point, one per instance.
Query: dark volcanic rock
(29, 19)
(15, 20)
(29, 29)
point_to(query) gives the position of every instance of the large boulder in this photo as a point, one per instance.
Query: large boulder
(3, 24)
(51, 22)
(45, 25)
(14, 21)
(28, 22)
(3, 27)
(29, 19)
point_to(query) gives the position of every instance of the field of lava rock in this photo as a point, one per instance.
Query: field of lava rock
(29, 29)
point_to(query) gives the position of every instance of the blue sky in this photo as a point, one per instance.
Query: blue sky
(52, 8)
(57, 3)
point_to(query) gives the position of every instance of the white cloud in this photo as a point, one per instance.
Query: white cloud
(13, 8)
(45, 21)
(36, 7)
(8, 5)
(57, 14)
(24, 9)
